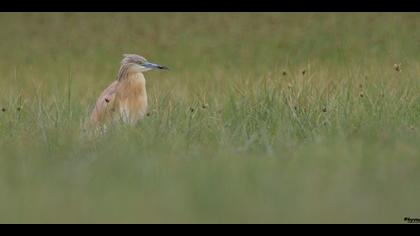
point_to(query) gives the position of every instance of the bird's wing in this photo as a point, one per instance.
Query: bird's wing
(105, 105)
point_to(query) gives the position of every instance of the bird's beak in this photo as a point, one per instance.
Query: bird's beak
(154, 66)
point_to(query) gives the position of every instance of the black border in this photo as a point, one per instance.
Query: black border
(211, 5)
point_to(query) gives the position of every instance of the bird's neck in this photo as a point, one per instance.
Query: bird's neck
(132, 83)
(131, 74)
(136, 82)
(132, 96)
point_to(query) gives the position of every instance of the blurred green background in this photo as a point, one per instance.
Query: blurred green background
(263, 118)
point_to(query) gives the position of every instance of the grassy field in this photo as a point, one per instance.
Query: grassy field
(263, 118)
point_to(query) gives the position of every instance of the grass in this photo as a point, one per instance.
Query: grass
(263, 118)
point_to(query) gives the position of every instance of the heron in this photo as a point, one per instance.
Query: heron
(125, 98)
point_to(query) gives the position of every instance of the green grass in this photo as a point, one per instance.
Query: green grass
(336, 144)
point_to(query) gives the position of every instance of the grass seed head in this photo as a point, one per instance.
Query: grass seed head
(397, 67)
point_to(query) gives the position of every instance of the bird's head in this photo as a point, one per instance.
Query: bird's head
(141, 62)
